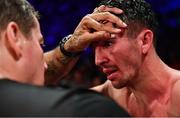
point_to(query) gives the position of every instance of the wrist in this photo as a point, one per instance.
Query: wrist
(64, 51)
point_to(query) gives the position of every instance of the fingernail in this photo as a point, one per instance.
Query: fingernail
(119, 11)
(113, 35)
(103, 7)
(124, 24)
(118, 30)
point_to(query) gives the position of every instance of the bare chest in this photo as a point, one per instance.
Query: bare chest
(139, 108)
(158, 107)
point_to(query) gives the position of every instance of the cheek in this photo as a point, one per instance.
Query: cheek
(126, 58)
(120, 53)
(40, 56)
(36, 56)
(38, 65)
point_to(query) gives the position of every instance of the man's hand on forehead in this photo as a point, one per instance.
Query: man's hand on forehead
(93, 28)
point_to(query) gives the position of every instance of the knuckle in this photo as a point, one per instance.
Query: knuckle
(101, 26)
(86, 17)
(106, 13)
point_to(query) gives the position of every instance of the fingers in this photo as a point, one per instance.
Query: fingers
(90, 23)
(102, 13)
(81, 42)
(103, 8)
(97, 36)
(88, 38)
(108, 17)
(97, 26)
(99, 9)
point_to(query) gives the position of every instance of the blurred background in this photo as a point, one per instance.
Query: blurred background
(60, 17)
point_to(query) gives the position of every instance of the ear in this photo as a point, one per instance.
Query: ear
(146, 39)
(12, 40)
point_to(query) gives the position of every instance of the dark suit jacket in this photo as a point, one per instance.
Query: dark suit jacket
(25, 100)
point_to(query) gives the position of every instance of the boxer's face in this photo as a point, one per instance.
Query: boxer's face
(119, 58)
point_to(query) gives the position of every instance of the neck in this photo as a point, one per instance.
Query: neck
(153, 80)
(4, 74)
(9, 70)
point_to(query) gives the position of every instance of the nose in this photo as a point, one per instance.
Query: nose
(100, 56)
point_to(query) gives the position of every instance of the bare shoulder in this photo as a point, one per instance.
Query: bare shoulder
(103, 88)
(99, 88)
(120, 96)
(175, 99)
(176, 89)
(175, 83)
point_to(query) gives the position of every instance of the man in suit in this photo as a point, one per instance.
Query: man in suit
(22, 67)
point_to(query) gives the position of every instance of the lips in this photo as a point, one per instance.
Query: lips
(109, 72)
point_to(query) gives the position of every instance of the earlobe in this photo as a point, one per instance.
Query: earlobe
(147, 39)
(12, 40)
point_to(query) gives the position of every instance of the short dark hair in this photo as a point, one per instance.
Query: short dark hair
(137, 14)
(19, 11)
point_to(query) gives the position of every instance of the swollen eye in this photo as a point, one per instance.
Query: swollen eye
(107, 43)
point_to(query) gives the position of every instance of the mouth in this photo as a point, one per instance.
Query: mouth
(110, 72)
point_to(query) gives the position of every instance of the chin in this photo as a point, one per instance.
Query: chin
(118, 85)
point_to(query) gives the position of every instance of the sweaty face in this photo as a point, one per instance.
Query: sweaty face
(34, 64)
(119, 58)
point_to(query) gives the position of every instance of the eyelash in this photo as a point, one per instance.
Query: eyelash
(107, 43)
(104, 44)
(42, 45)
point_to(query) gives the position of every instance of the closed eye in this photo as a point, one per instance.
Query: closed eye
(41, 42)
(107, 43)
